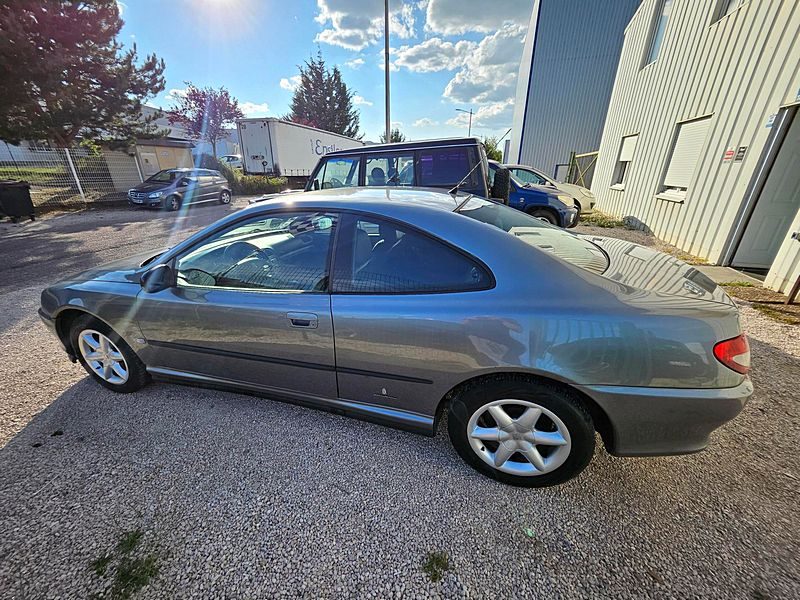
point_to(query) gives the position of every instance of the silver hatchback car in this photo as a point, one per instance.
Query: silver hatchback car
(402, 305)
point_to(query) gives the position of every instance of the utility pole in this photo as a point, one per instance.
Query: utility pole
(469, 112)
(386, 68)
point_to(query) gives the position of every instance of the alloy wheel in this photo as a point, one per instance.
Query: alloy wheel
(103, 356)
(225, 197)
(519, 437)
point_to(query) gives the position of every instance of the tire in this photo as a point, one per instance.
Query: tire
(172, 203)
(501, 188)
(136, 372)
(564, 431)
(544, 215)
(224, 197)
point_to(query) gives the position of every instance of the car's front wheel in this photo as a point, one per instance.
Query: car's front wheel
(523, 432)
(172, 203)
(544, 215)
(106, 356)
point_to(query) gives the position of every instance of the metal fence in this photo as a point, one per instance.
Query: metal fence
(70, 178)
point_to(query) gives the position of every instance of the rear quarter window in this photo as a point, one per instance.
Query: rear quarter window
(440, 167)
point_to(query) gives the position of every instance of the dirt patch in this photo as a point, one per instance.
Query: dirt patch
(767, 302)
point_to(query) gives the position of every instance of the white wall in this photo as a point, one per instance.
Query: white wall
(740, 70)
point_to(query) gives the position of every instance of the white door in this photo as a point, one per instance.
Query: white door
(776, 207)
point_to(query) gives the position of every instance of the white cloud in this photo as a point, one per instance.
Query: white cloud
(489, 116)
(356, 63)
(434, 54)
(121, 7)
(252, 109)
(175, 93)
(397, 124)
(355, 24)
(361, 101)
(490, 72)
(425, 122)
(290, 83)
(455, 17)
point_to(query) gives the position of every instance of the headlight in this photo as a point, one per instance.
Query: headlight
(155, 195)
(568, 201)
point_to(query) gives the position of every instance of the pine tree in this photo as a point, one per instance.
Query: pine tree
(63, 74)
(323, 100)
(396, 136)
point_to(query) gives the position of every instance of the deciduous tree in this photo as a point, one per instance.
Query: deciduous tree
(63, 74)
(205, 113)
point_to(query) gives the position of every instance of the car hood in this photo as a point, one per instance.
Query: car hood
(575, 191)
(126, 270)
(151, 187)
(643, 268)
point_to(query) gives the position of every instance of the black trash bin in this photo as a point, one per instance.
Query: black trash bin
(15, 200)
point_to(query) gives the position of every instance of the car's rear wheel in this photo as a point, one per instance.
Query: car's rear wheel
(172, 203)
(106, 356)
(224, 197)
(544, 215)
(522, 432)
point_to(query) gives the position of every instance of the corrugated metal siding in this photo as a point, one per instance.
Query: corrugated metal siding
(740, 70)
(577, 48)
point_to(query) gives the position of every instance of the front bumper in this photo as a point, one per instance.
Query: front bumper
(570, 217)
(663, 421)
(48, 321)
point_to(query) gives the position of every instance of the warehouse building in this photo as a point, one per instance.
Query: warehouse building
(565, 80)
(701, 144)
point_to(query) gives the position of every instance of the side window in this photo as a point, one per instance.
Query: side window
(392, 170)
(526, 176)
(284, 251)
(447, 166)
(375, 256)
(339, 172)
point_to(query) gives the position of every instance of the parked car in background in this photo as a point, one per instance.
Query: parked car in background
(440, 163)
(540, 201)
(529, 337)
(234, 161)
(173, 188)
(584, 198)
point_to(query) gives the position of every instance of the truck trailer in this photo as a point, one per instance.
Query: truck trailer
(281, 148)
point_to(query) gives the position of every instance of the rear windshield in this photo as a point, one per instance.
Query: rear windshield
(567, 246)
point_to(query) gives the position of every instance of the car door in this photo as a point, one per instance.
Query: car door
(404, 311)
(190, 186)
(249, 306)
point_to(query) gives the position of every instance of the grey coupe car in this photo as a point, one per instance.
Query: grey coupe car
(402, 305)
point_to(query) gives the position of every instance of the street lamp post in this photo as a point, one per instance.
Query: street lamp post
(469, 112)
(386, 67)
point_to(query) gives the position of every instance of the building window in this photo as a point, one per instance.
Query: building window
(663, 10)
(626, 151)
(689, 139)
(726, 7)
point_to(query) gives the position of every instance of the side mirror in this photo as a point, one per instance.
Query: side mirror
(157, 279)
(501, 188)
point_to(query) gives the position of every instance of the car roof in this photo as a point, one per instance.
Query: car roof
(396, 146)
(364, 198)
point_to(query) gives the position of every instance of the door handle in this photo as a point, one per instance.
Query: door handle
(301, 319)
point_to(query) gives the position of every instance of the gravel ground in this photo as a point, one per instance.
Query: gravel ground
(235, 496)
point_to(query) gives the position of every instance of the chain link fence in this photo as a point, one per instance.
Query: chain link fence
(63, 178)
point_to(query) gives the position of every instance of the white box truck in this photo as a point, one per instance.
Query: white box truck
(283, 148)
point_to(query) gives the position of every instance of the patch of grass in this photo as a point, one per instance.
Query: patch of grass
(737, 284)
(435, 564)
(130, 572)
(133, 574)
(129, 540)
(779, 312)
(598, 219)
(100, 565)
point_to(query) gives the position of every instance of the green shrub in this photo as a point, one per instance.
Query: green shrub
(258, 184)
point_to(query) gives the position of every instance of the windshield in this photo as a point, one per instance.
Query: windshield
(567, 246)
(164, 176)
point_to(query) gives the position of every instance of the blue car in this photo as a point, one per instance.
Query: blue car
(543, 202)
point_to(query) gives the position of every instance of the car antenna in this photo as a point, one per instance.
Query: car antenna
(453, 192)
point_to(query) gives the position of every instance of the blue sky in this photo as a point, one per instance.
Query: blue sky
(446, 54)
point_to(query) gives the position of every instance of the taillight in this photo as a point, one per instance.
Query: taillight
(734, 353)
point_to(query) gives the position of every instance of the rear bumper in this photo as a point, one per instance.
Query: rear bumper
(663, 421)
